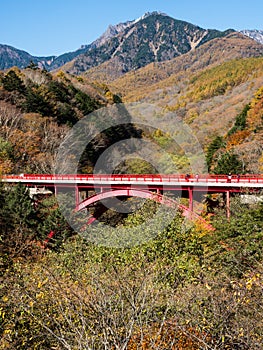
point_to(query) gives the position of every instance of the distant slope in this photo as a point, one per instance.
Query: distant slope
(136, 85)
(254, 34)
(10, 56)
(153, 38)
(207, 88)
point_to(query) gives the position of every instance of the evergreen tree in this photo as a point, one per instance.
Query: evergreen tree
(52, 222)
(229, 163)
(12, 82)
(17, 222)
(36, 103)
(21, 208)
(241, 121)
(216, 144)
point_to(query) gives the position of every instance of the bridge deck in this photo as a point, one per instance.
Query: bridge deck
(173, 181)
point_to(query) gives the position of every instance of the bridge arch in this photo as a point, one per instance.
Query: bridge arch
(157, 197)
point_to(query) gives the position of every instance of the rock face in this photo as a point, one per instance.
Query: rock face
(154, 37)
(10, 56)
(254, 34)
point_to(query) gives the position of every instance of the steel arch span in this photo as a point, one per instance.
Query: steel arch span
(157, 197)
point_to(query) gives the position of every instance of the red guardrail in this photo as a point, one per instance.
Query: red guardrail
(248, 178)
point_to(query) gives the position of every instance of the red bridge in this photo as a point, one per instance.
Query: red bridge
(146, 186)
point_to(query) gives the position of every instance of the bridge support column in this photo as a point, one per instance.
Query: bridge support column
(190, 194)
(77, 196)
(228, 204)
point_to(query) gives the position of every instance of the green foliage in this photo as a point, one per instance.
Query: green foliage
(20, 206)
(4, 215)
(36, 103)
(12, 82)
(238, 241)
(216, 144)
(229, 162)
(212, 34)
(240, 122)
(32, 65)
(42, 93)
(143, 56)
(51, 219)
(85, 103)
(59, 91)
(6, 149)
(135, 166)
(65, 114)
(18, 222)
(183, 289)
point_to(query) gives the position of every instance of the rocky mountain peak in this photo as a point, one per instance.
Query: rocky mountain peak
(116, 29)
(147, 14)
(154, 37)
(254, 34)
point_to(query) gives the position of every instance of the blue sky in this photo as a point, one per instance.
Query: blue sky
(53, 27)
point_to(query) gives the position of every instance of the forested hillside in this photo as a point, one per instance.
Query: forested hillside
(127, 281)
(183, 289)
(37, 109)
(209, 90)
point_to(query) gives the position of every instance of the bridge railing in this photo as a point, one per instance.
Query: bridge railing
(207, 178)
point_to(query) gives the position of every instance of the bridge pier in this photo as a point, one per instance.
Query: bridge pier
(228, 204)
(77, 196)
(190, 195)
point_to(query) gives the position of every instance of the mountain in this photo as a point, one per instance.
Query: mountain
(155, 37)
(254, 34)
(232, 46)
(64, 58)
(213, 53)
(69, 56)
(216, 88)
(10, 56)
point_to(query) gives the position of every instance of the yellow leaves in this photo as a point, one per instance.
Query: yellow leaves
(6, 166)
(207, 286)
(254, 280)
(61, 75)
(42, 283)
(40, 295)
(109, 96)
(261, 162)
(254, 115)
(2, 313)
(237, 138)
(220, 79)
(258, 96)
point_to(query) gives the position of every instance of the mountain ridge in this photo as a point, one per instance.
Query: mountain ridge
(255, 34)
(10, 56)
(154, 38)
